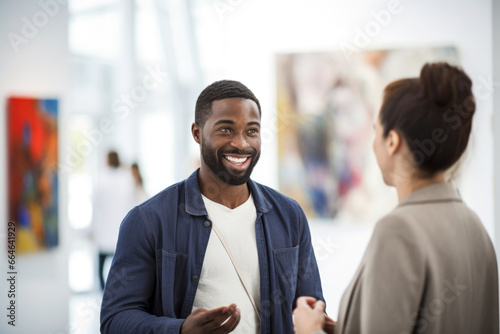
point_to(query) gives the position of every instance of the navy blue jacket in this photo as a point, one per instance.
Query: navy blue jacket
(155, 271)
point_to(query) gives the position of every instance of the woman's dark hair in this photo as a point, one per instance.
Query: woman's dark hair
(113, 159)
(433, 114)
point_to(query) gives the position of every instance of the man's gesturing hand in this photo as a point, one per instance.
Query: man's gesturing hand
(212, 321)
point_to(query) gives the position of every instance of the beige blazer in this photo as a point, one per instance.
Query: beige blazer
(429, 267)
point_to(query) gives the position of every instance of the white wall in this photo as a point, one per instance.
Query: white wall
(40, 68)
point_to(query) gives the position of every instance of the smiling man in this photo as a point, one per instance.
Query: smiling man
(217, 252)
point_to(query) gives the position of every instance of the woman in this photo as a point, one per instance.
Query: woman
(113, 196)
(430, 266)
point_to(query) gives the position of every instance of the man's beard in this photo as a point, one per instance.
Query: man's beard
(214, 161)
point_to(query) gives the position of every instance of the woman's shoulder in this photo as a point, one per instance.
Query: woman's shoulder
(436, 221)
(404, 224)
(399, 219)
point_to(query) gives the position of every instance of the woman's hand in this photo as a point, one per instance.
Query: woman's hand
(309, 316)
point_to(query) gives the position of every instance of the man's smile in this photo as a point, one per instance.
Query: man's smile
(237, 161)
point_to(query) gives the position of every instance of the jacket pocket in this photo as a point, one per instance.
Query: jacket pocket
(172, 276)
(286, 261)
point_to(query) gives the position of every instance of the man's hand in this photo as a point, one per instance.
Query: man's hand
(212, 321)
(309, 317)
(329, 326)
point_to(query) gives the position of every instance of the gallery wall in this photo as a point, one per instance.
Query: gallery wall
(234, 46)
(34, 62)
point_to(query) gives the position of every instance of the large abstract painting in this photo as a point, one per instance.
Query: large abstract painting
(326, 108)
(32, 172)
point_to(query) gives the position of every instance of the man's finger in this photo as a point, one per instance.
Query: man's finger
(199, 310)
(217, 321)
(231, 324)
(210, 315)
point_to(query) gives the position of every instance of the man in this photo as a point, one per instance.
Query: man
(172, 272)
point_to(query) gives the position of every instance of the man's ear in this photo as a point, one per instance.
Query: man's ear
(196, 132)
(393, 142)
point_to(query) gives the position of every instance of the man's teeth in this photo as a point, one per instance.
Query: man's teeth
(236, 160)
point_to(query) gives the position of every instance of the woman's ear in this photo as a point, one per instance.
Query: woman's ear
(393, 142)
(196, 132)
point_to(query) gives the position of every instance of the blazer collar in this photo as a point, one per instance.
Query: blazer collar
(194, 202)
(437, 192)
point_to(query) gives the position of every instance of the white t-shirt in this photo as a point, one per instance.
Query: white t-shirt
(219, 283)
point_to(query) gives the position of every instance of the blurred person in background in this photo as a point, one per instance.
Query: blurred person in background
(113, 197)
(217, 252)
(140, 192)
(430, 266)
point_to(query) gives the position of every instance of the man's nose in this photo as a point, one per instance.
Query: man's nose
(239, 142)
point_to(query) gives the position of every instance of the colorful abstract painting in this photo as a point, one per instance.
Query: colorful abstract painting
(326, 107)
(32, 172)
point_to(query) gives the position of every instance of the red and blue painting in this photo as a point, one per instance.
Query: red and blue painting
(32, 172)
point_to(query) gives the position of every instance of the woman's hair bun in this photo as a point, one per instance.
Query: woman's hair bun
(439, 102)
(444, 84)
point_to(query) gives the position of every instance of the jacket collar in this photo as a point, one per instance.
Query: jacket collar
(194, 202)
(437, 192)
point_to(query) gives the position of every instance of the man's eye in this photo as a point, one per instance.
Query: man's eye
(225, 130)
(253, 131)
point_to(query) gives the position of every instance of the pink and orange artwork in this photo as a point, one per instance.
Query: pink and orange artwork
(32, 172)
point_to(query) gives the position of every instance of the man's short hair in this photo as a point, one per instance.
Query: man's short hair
(220, 90)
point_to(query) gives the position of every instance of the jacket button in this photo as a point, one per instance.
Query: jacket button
(207, 223)
(195, 278)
